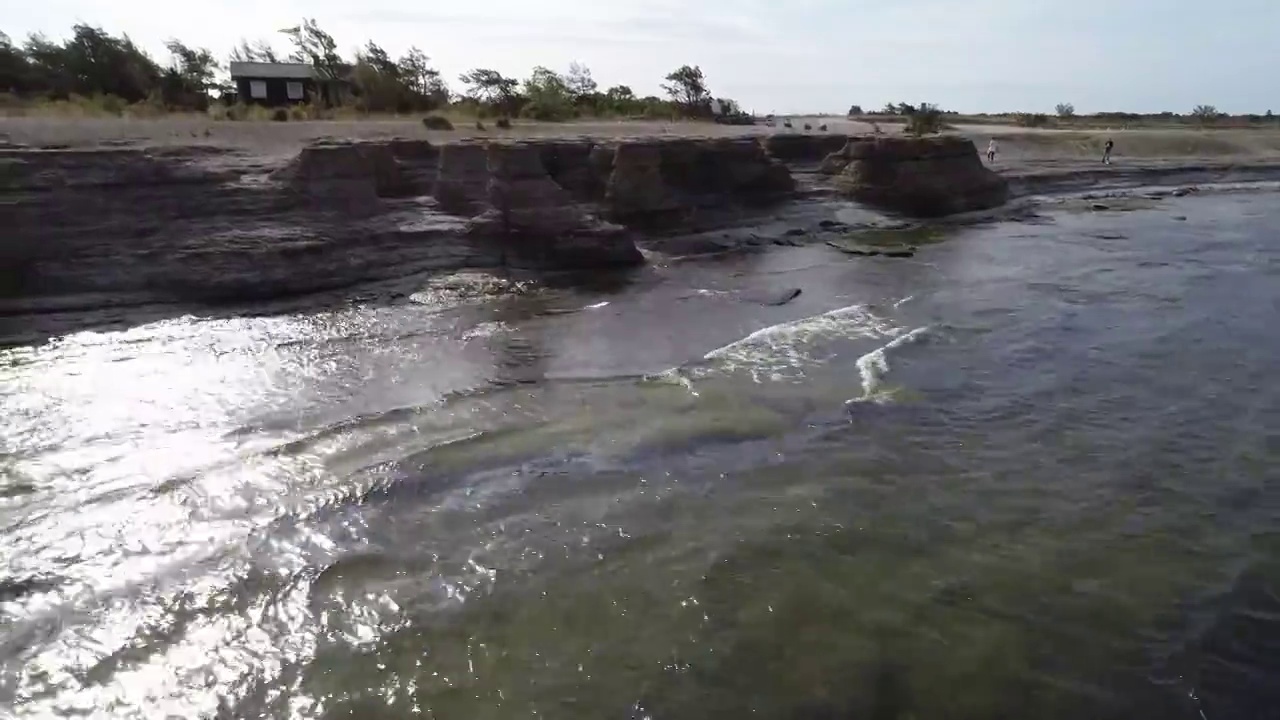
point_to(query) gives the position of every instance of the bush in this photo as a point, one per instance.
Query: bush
(437, 122)
(1205, 114)
(280, 115)
(503, 123)
(1066, 110)
(547, 111)
(924, 120)
(1030, 120)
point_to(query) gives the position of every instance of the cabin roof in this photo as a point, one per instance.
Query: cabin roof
(294, 71)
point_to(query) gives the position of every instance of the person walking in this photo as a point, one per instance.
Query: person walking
(1106, 152)
(992, 149)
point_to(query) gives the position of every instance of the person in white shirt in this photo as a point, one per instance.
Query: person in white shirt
(992, 148)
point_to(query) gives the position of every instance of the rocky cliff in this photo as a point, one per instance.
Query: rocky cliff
(921, 177)
(89, 228)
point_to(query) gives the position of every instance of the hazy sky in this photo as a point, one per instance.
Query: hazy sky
(776, 56)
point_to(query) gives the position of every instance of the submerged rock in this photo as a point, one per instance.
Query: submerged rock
(852, 247)
(921, 177)
(783, 297)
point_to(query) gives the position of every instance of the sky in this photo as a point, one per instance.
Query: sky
(798, 56)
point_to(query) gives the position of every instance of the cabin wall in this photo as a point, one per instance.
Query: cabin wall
(277, 91)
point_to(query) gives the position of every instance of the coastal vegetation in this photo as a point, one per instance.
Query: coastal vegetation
(93, 72)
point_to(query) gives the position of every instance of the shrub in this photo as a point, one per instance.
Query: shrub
(1205, 114)
(437, 122)
(1030, 120)
(923, 120)
(1065, 110)
(503, 123)
(280, 115)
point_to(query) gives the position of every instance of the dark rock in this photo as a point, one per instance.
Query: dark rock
(436, 122)
(795, 232)
(1179, 217)
(921, 177)
(540, 224)
(832, 225)
(87, 228)
(1100, 206)
(655, 184)
(783, 297)
(856, 248)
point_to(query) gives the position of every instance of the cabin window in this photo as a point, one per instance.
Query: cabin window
(295, 90)
(258, 89)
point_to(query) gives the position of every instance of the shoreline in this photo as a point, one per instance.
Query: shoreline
(259, 221)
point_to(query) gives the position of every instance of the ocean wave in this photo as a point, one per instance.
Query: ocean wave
(782, 352)
(874, 366)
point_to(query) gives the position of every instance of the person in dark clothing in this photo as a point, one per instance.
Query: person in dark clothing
(1106, 152)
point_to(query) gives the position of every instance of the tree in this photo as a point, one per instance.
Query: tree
(416, 71)
(1205, 114)
(15, 69)
(855, 110)
(548, 96)
(258, 51)
(688, 89)
(377, 58)
(1066, 110)
(924, 120)
(100, 64)
(579, 81)
(489, 87)
(197, 66)
(315, 46)
(890, 109)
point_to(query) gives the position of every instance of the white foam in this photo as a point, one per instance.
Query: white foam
(775, 352)
(875, 365)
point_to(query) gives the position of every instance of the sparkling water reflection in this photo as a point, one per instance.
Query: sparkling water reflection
(1027, 473)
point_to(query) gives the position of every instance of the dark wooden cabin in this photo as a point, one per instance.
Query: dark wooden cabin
(280, 84)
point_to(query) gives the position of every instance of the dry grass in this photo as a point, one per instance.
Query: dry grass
(1147, 144)
(81, 125)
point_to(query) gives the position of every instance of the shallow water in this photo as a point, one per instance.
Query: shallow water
(1029, 472)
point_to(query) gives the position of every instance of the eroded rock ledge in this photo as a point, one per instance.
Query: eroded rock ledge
(88, 228)
(920, 177)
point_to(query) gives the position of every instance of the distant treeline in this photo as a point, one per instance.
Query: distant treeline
(113, 73)
(1065, 115)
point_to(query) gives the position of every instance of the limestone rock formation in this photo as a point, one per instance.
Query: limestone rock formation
(920, 177)
(89, 228)
(540, 224)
